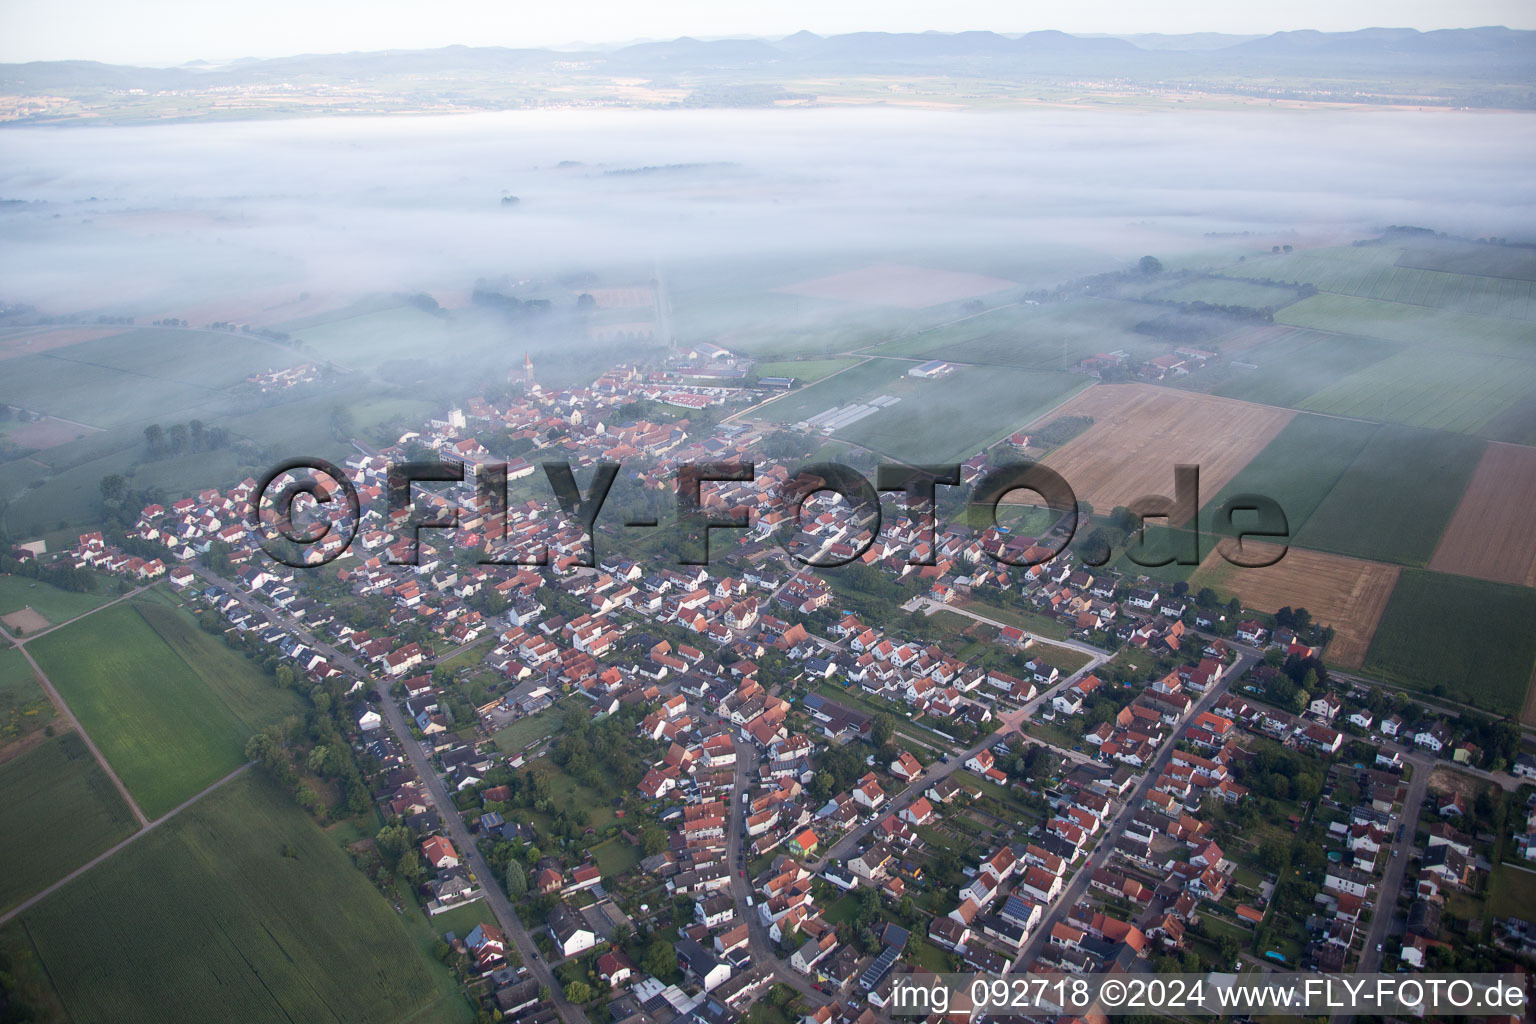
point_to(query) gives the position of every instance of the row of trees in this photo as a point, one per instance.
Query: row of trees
(193, 436)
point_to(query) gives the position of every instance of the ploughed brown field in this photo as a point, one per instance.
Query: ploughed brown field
(1140, 432)
(1348, 594)
(1492, 535)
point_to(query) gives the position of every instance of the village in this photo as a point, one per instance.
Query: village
(749, 789)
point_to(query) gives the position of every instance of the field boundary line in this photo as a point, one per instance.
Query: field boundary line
(63, 709)
(149, 827)
(22, 641)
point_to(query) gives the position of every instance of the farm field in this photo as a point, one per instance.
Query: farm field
(1394, 500)
(951, 418)
(52, 603)
(1400, 280)
(1051, 337)
(1227, 291)
(24, 707)
(1491, 535)
(1441, 390)
(57, 797)
(1469, 640)
(808, 370)
(1291, 364)
(864, 381)
(1300, 466)
(894, 284)
(206, 919)
(1140, 432)
(1346, 593)
(1513, 262)
(164, 725)
(1442, 330)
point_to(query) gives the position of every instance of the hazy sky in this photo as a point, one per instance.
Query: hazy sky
(173, 31)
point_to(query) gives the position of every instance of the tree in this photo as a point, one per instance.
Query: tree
(882, 729)
(177, 438)
(578, 992)
(517, 880)
(660, 959)
(154, 437)
(1150, 265)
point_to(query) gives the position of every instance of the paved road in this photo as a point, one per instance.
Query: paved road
(937, 771)
(141, 833)
(764, 954)
(1074, 890)
(453, 822)
(1397, 866)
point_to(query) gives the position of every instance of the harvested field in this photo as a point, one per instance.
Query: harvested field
(1492, 534)
(31, 342)
(47, 432)
(1140, 432)
(893, 284)
(1348, 594)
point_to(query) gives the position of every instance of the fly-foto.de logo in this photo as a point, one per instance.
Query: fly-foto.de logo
(306, 512)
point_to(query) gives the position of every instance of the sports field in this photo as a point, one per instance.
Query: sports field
(171, 716)
(206, 919)
(59, 809)
(1492, 535)
(1466, 639)
(1140, 432)
(1346, 593)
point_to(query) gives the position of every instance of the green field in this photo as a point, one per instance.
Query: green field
(1424, 388)
(954, 417)
(1442, 330)
(808, 370)
(168, 728)
(1417, 279)
(205, 919)
(526, 730)
(53, 604)
(1465, 639)
(24, 707)
(1292, 364)
(1225, 291)
(59, 809)
(1300, 466)
(1052, 337)
(1512, 891)
(1396, 497)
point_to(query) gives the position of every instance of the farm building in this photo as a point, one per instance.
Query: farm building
(932, 368)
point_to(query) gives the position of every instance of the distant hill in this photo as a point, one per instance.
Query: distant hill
(1481, 66)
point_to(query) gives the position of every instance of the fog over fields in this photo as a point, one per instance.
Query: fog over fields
(139, 220)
